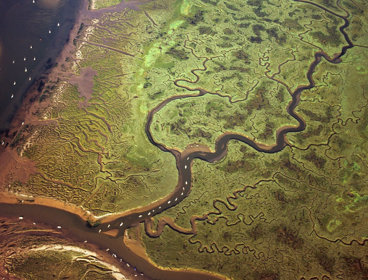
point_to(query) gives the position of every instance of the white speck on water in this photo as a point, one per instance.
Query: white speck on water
(49, 31)
(14, 83)
(34, 59)
(59, 227)
(121, 224)
(140, 216)
(169, 202)
(176, 199)
(58, 24)
(108, 226)
(182, 193)
(30, 46)
(20, 218)
(13, 61)
(25, 59)
(149, 213)
(99, 231)
(25, 70)
(22, 123)
(12, 96)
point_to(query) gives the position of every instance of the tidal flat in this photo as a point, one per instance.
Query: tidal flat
(205, 139)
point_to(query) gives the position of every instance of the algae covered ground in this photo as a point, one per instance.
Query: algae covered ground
(209, 68)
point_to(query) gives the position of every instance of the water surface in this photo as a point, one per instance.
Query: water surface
(32, 34)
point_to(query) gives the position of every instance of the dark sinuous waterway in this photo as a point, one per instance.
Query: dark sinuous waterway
(81, 231)
(31, 37)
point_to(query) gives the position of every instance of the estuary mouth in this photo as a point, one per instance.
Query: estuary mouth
(185, 140)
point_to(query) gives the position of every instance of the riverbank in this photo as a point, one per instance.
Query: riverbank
(73, 219)
(29, 233)
(13, 198)
(32, 36)
(48, 74)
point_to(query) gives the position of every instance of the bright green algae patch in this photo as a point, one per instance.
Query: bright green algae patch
(99, 4)
(299, 213)
(96, 153)
(250, 67)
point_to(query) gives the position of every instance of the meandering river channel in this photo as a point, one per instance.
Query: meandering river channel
(79, 229)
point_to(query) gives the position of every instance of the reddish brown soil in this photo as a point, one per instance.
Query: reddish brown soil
(13, 166)
(84, 82)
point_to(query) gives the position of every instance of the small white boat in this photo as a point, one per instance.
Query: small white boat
(25, 70)
(12, 96)
(14, 83)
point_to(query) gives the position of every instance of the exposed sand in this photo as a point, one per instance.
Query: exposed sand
(13, 198)
(135, 244)
(15, 166)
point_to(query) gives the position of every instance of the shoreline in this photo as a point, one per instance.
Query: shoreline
(25, 116)
(64, 241)
(24, 112)
(72, 227)
(14, 198)
(50, 75)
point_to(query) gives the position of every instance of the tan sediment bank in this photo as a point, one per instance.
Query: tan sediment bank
(11, 161)
(23, 230)
(13, 198)
(135, 245)
(137, 251)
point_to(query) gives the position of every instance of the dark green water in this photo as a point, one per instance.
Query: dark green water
(31, 37)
